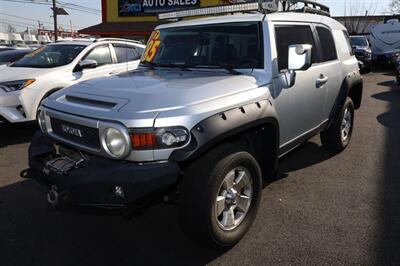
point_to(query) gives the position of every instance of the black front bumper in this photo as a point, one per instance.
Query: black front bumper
(94, 184)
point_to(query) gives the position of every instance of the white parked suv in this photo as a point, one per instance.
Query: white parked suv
(25, 83)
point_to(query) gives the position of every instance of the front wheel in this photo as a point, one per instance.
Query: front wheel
(220, 195)
(337, 137)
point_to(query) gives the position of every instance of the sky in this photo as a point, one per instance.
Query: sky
(22, 14)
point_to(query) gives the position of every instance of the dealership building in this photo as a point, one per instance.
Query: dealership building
(136, 19)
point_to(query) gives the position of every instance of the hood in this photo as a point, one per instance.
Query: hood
(18, 73)
(152, 91)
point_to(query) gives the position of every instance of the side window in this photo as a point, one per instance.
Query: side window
(100, 54)
(347, 37)
(289, 35)
(327, 44)
(140, 50)
(126, 53)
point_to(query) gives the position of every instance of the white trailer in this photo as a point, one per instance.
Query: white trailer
(385, 39)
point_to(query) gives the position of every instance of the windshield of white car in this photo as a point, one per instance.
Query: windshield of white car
(50, 56)
(226, 46)
(358, 41)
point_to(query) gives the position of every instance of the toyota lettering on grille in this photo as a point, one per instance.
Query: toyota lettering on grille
(71, 131)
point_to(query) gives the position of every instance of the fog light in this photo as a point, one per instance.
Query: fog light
(21, 110)
(119, 191)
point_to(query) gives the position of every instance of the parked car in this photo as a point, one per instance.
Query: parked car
(362, 51)
(10, 56)
(5, 48)
(214, 105)
(397, 68)
(25, 83)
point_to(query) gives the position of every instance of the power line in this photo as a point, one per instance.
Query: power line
(65, 5)
(36, 20)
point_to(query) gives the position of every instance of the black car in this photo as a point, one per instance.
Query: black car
(396, 60)
(362, 51)
(12, 55)
(3, 49)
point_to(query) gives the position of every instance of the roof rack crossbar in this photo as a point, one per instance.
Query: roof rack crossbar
(264, 6)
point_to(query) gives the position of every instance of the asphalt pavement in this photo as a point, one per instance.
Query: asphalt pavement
(326, 208)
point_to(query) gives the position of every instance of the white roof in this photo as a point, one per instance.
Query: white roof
(4, 36)
(30, 38)
(15, 37)
(242, 17)
(62, 42)
(44, 38)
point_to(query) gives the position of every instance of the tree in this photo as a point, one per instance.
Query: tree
(394, 7)
(10, 28)
(356, 16)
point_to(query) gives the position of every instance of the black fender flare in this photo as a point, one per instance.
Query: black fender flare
(220, 127)
(351, 80)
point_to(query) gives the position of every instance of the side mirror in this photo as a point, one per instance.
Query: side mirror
(299, 57)
(85, 64)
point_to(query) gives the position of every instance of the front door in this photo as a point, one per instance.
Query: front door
(300, 107)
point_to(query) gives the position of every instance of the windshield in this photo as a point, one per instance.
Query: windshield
(358, 41)
(234, 45)
(50, 56)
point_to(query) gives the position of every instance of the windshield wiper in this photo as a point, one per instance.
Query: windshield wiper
(227, 67)
(152, 65)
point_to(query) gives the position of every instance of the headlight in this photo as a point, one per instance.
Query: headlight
(42, 120)
(159, 138)
(15, 85)
(115, 142)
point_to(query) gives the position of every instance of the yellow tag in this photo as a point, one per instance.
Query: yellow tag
(152, 47)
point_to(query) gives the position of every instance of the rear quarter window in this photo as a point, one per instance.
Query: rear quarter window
(328, 47)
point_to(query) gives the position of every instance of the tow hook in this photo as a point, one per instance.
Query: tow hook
(53, 196)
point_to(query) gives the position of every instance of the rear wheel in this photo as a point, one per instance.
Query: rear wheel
(220, 195)
(337, 137)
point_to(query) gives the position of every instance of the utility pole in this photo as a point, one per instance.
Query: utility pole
(55, 20)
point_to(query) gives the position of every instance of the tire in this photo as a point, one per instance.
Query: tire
(206, 182)
(337, 137)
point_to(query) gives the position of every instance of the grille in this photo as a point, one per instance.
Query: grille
(79, 134)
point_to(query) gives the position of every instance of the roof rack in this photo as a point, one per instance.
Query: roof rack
(263, 6)
(117, 39)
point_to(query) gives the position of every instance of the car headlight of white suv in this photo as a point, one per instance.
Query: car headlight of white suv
(16, 85)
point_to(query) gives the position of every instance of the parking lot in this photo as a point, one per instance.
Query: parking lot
(326, 208)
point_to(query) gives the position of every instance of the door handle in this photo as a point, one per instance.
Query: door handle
(322, 80)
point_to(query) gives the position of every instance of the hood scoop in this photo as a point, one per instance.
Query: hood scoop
(90, 101)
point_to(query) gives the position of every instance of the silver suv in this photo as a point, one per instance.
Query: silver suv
(203, 121)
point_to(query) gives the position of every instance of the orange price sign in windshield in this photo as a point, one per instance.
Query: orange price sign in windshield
(152, 47)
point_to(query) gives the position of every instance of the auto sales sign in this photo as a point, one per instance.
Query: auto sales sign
(152, 7)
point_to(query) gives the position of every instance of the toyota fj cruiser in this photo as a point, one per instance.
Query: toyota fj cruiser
(204, 120)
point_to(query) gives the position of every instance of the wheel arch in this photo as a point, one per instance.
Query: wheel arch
(254, 126)
(352, 86)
